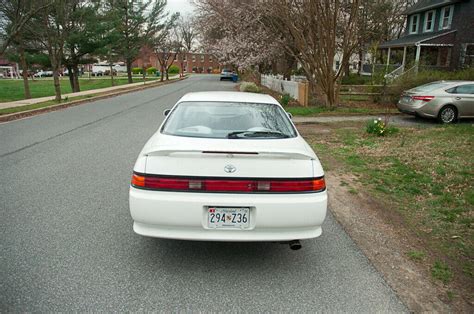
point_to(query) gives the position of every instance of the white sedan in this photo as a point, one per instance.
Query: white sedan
(228, 166)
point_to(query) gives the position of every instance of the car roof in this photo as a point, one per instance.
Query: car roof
(229, 97)
(452, 82)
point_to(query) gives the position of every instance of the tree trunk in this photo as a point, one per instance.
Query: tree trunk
(111, 74)
(57, 84)
(71, 78)
(167, 75)
(143, 73)
(329, 90)
(75, 75)
(24, 67)
(290, 62)
(360, 61)
(346, 69)
(129, 71)
(162, 69)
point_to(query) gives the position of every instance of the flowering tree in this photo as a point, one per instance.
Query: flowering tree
(251, 32)
(233, 32)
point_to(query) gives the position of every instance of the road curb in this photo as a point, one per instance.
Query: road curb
(103, 95)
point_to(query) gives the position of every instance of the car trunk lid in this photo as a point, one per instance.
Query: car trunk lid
(230, 158)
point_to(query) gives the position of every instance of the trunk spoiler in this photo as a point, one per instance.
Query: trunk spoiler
(262, 153)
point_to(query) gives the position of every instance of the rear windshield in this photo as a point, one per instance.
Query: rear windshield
(231, 120)
(430, 87)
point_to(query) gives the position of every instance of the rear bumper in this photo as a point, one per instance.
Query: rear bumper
(422, 109)
(183, 215)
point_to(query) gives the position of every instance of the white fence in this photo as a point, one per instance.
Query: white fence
(281, 86)
(297, 90)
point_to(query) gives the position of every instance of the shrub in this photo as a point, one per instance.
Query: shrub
(137, 70)
(174, 69)
(249, 87)
(379, 127)
(355, 79)
(285, 99)
(151, 70)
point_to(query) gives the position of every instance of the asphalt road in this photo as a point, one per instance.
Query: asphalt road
(67, 242)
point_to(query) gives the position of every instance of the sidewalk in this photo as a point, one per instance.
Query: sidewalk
(24, 102)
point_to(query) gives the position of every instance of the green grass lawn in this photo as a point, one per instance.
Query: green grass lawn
(43, 104)
(423, 173)
(11, 90)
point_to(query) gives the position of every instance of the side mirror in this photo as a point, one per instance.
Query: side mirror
(289, 115)
(166, 112)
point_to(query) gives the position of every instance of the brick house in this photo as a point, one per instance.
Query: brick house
(439, 34)
(191, 61)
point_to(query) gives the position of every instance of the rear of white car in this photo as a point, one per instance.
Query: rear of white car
(249, 186)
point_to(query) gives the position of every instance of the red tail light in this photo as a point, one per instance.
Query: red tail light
(423, 98)
(166, 183)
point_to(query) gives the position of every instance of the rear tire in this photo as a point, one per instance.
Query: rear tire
(448, 114)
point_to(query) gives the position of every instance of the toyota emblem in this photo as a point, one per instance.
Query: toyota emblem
(230, 169)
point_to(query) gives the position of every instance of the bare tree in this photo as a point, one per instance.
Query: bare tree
(186, 34)
(316, 31)
(166, 52)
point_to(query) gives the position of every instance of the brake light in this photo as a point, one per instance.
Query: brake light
(167, 183)
(423, 98)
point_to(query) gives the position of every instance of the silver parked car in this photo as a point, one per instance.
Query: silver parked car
(446, 101)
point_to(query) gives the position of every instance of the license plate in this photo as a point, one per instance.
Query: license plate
(228, 217)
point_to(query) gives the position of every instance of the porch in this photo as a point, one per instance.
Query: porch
(417, 52)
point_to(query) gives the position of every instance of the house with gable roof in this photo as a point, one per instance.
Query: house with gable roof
(439, 35)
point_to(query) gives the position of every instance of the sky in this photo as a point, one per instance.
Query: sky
(184, 7)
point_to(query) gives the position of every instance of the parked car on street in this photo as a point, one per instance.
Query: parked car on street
(226, 74)
(446, 101)
(98, 73)
(228, 166)
(43, 74)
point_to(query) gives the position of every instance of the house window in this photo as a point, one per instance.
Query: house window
(429, 21)
(446, 17)
(414, 21)
(184, 57)
(202, 58)
(467, 55)
(194, 58)
(210, 59)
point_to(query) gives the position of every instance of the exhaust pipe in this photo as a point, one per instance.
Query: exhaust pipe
(295, 245)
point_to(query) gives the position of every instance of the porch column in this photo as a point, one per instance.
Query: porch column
(404, 57)
(417, 58)
(388, 58)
